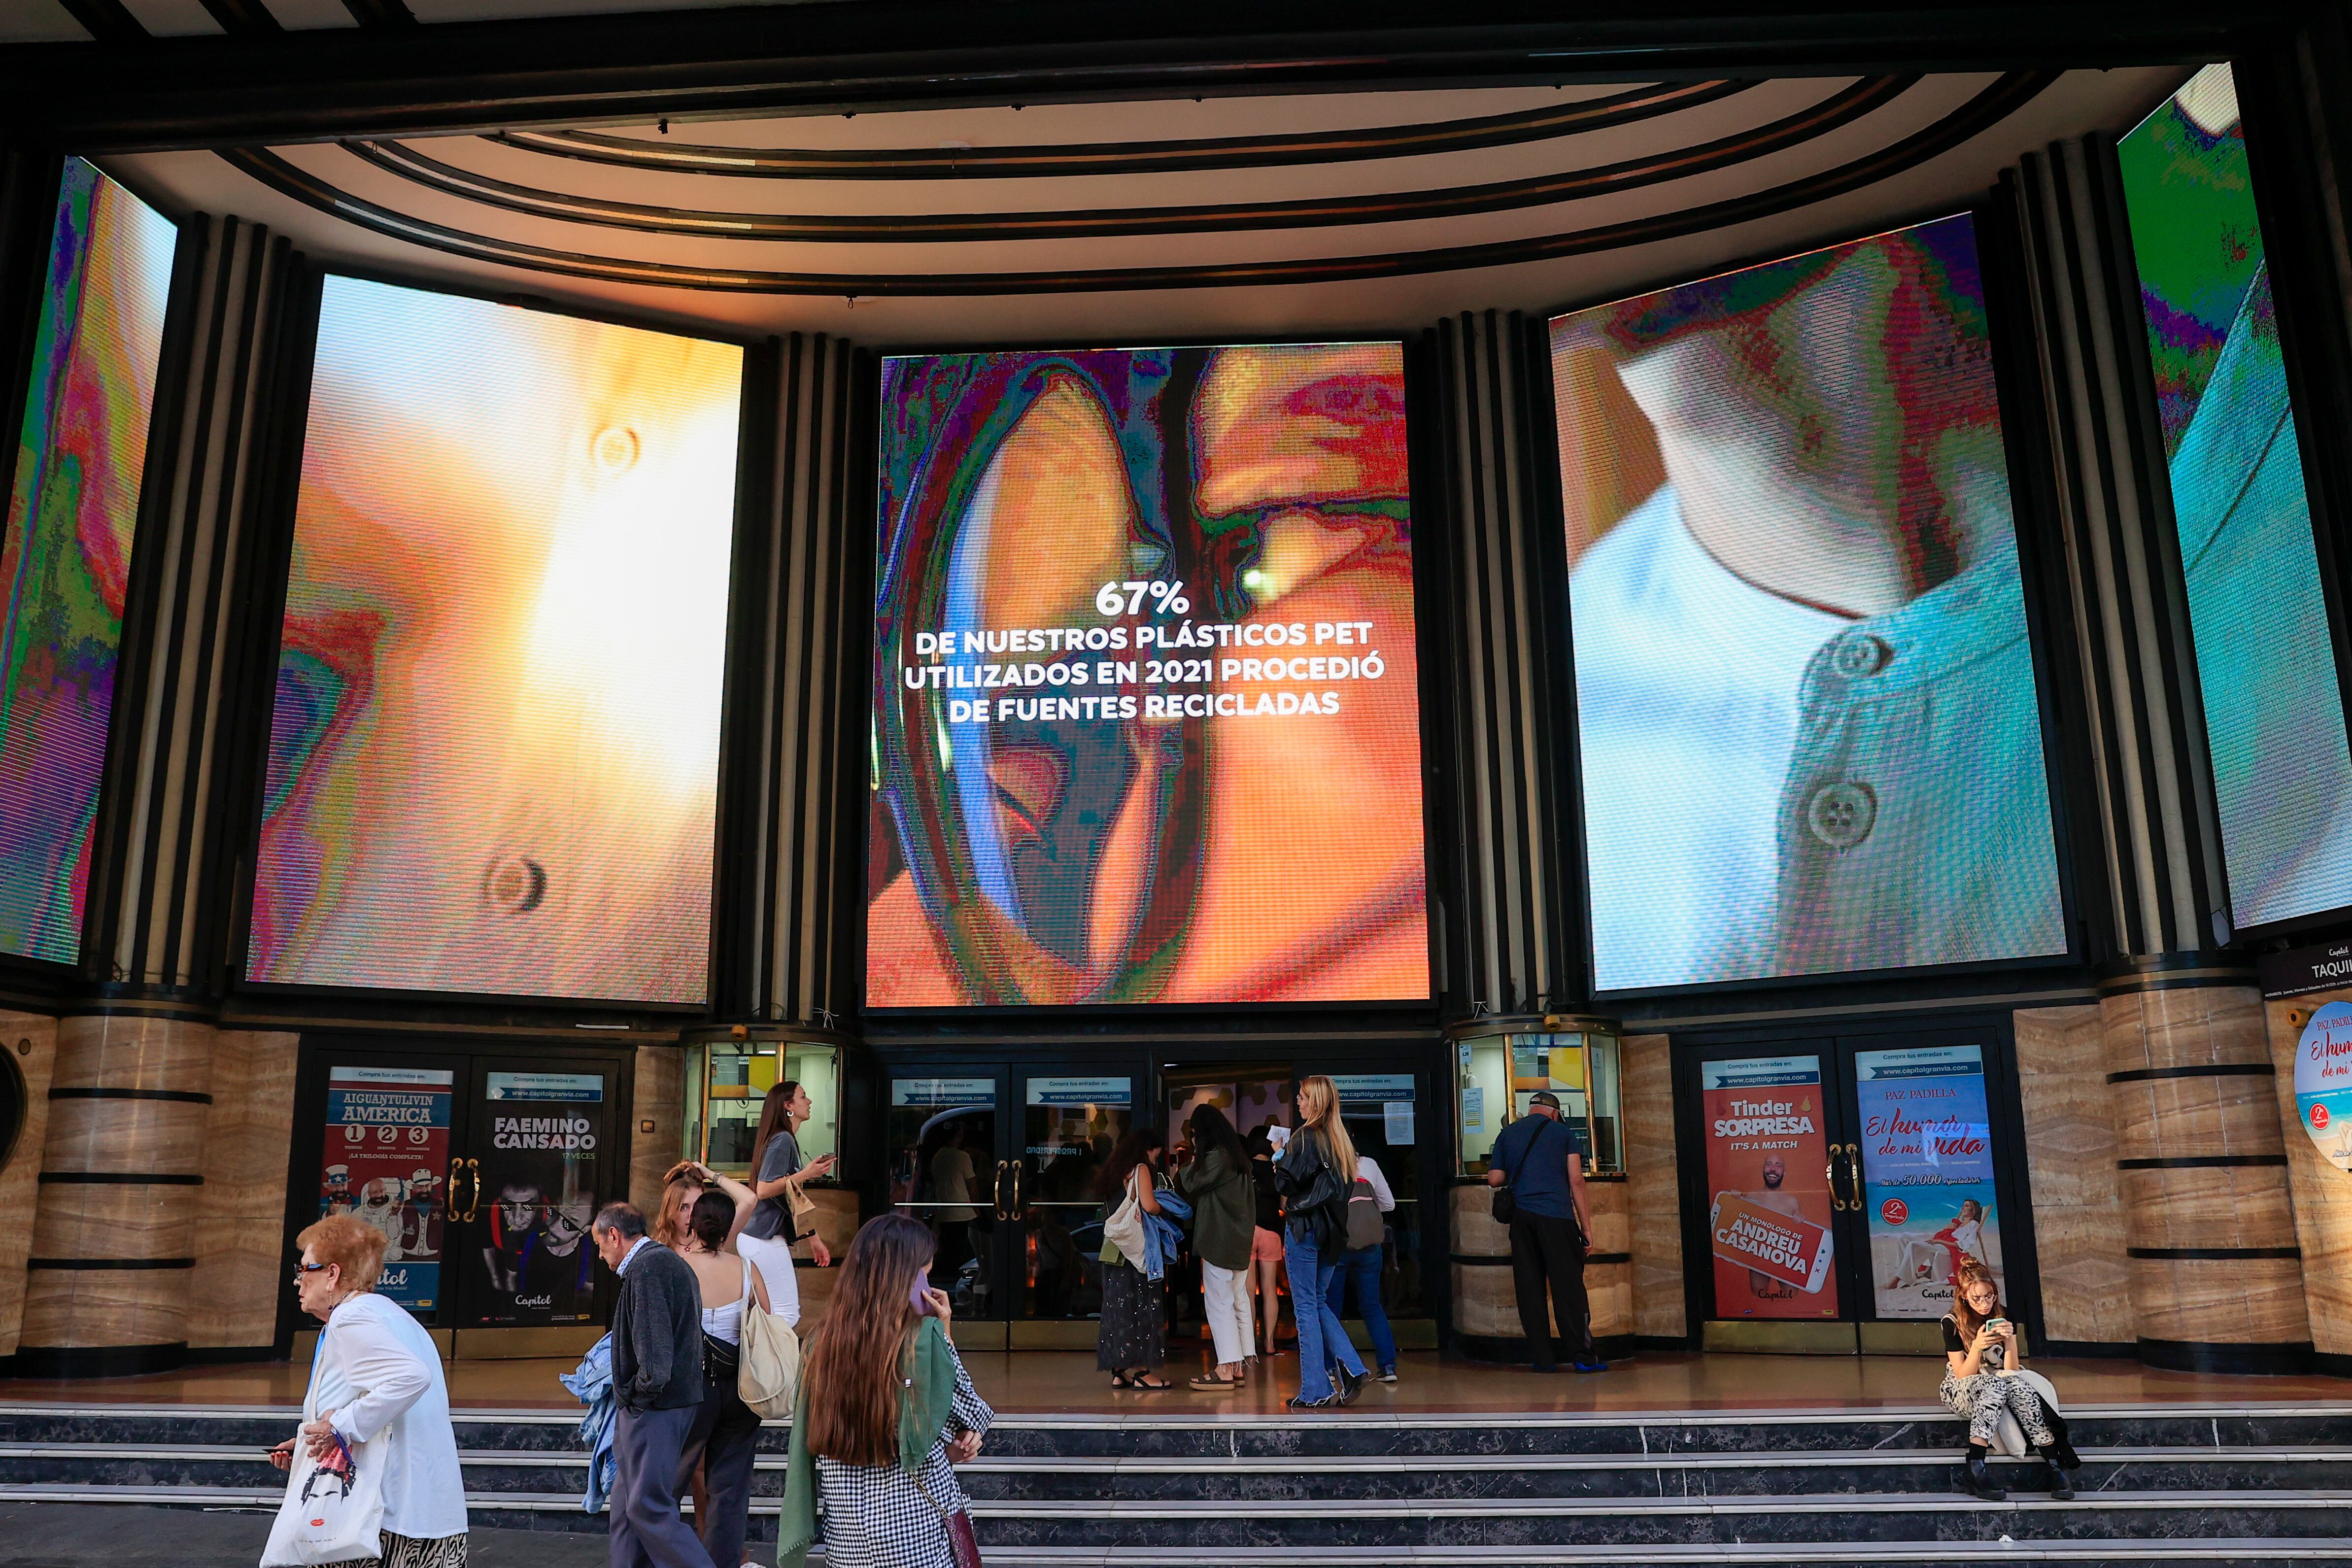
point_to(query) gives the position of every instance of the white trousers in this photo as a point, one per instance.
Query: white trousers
(1227, 1293)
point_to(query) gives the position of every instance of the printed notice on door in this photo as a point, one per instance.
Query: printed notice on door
(1767, 1170)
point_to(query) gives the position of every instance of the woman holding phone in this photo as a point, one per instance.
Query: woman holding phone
(885, 1412)
(1981, 1353)
(778, 1171)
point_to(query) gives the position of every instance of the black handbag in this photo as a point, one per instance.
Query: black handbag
(1506, 1205)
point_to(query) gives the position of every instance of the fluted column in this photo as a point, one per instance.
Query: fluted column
(2215, 1272)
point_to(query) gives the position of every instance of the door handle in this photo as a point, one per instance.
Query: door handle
(474, 1192)
(1828, 1174)
(1014, 1213)
(1854, 1176)
(996, 1190)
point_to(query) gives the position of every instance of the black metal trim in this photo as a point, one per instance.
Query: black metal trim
(95, 1361)
(1644, 102)
(383, 16)
(2202, 1070)
(116, 1179)
(2201, 1163)
(2011, 92)
(108, 1265)
(184, 1096)
(1662, 166)
(2210, 1254)
(2289, 1358)
(242, 18)
(107, 21)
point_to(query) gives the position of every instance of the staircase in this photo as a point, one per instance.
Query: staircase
(2175, 1485)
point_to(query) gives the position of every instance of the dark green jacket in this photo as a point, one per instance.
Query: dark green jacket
(1225, 1209)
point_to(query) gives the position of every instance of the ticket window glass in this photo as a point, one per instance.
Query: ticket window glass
(1070, 1125)
(1501, 1074)
(727, 1087)
(944, 1170)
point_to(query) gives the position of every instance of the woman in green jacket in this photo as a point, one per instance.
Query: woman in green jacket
(883, 1412)
(1225, 1220)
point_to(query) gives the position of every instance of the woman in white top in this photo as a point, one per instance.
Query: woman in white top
(726, 1431)
(377, 1379)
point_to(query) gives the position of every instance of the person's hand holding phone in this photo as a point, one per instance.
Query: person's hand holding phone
(820, 1166)
(282, 1456)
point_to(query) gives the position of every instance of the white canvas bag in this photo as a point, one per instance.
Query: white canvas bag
(768, 1364)
(327, 1517)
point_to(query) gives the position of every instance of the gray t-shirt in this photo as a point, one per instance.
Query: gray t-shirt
(774, 1216)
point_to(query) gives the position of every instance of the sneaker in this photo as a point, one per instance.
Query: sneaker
(1388, 1374)
(1349, 1385)
(1591, 1363)
(1296, 1403)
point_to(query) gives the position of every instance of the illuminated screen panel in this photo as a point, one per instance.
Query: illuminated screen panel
(2274, 712)
(1146, 726)
(65, 559)
(494, 760)
(1810, 738)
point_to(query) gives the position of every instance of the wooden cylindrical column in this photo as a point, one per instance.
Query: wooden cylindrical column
(1486, 1309)
(2216, 1268)
(114, 1228)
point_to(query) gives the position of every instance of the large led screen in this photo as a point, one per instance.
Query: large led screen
(1810, 743)
(1146, 727)
(2274, 712)
(65, 559)
(494, 760)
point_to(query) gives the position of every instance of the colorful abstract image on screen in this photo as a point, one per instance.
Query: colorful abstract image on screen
(494, 758)
(64, 560)
(1146, 722)
(2265, 662)
(1810, 736)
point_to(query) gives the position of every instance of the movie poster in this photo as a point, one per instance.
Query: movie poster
(541, 1185)
(1767, 1169)
(387, 1143)
(1927, 1171)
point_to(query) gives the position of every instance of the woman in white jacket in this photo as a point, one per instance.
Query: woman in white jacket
(377, 1379)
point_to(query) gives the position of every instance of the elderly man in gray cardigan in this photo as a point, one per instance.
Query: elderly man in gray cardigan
(657, 1388)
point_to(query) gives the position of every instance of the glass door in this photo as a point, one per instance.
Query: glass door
(946, 1169)
(544, 1152)
(1070, 1124)
(391, 1151)
(1846, 1180)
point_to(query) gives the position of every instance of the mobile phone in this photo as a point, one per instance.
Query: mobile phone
(922, 1301)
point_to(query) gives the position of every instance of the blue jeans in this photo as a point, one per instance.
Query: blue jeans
(1361, 1268)
(1321, 1338)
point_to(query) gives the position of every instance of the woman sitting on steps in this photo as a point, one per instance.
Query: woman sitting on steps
(1981, 1383)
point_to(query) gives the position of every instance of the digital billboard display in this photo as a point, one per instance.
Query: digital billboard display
(1146, 721)
(1811, 736)
(494, 757)
(65, 558)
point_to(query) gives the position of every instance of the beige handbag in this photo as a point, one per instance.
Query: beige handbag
(768, 1364)
(801, 1204)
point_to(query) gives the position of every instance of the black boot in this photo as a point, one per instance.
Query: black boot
(1980, 1478)
(1347, 1383)
(2062, 1479)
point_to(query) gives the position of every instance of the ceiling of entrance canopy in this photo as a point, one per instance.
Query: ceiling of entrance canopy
(1302, 213)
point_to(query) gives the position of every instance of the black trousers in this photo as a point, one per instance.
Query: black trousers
(1548, 1250)
(723, 1440)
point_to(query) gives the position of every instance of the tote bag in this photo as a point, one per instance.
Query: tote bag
(1124, 1229)
(333, 1509)
(768, 1360)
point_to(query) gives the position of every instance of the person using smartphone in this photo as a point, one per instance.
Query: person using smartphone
(885, 1411)
(778, 1169)
(1981, 1348)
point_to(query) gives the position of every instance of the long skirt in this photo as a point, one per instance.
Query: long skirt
(1131, 1319)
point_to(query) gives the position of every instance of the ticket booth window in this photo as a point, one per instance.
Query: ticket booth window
(726, 1083)
(1499, 1074)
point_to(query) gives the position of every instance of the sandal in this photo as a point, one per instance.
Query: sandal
(1162, 1386)
(1122, 1380)
(1210, 1382)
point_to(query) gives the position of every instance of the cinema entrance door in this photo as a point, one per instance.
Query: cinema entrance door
(484, 1170)
(1832, 1186)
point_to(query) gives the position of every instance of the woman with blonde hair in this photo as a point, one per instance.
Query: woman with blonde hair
(376, 1379)
(1317, 1172)
(885, 1411)
(1984, 1359)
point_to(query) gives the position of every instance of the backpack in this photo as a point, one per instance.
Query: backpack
(1365, 1227)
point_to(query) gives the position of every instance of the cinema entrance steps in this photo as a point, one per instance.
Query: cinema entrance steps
(2160, 1484)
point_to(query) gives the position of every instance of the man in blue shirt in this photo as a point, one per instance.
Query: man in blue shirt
(1537, 1157)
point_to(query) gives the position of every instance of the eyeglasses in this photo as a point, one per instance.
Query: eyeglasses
(302, 1268)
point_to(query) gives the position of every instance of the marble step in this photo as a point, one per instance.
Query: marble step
(997, 1479)
(1173, 1433)
(1394, 1530)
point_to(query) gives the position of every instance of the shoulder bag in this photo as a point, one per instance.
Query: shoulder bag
(1124, 1229)
(1506, 1205)
(958, 1524)
(768, 1360)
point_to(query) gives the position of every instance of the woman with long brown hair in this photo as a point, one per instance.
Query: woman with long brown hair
(778, 1171)
(1982, 1356)
(1317, 1172)
(885, 1412)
